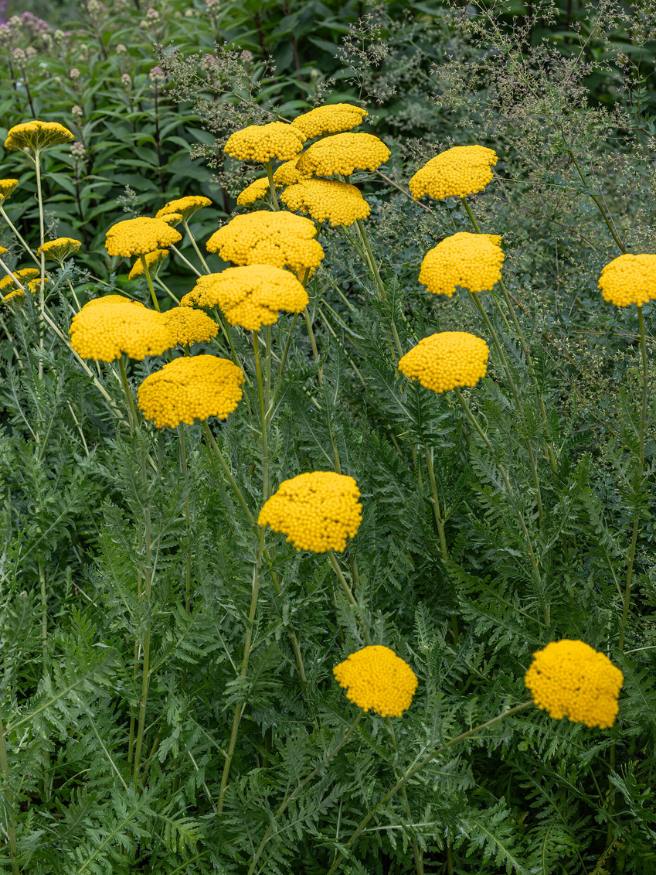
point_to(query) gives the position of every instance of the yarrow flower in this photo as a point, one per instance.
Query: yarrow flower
(275, 141)
(153, 261)
(343, 154)
(447, 360)
(629, 279)
(464, 260)
(457, 172)
(7, 187)
(570, 679)
(189, 389)
(24, 273)
(36, 135)
(256, 191)
(140, 236)
(326, 200)
(249, 296)
(376, 679)
(172, 219)
(186, 206)
(288, 173)
(189, 326)
(329, 119)
(60, 249)
(317, 511)
(108, 327)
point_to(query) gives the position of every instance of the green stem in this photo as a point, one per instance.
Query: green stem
(599, 203)
(195, 246)
(42, 261)
(19, 236)
(149, 280)
(185, 260)
(313, 344)
(184, 471)
(259, 376)
(370, 260)
(230, 477)
(133, 417)
(9, 804)
(437, 507)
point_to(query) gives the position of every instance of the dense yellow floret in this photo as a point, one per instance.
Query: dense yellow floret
(191, 388)
(60, 248)
(140, 236)
(3, 250)
(464, 260)
(257, 190)
(262, 237)
(317, 511)
(190, 326)
(153, 260)
(24, 273)
(458, 172)
(447, 360)
(172, 219)
(275, 141)
(326, 200)
(343, 154)
(7, 187)
(330, 119)
(570, 679)
(249, 296)
(288, 173)
(36, 135)
(185, 206)
(376, 679)
(629, 279)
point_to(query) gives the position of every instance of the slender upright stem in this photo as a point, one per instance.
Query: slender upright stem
(372, 264)
(184, 471)
(147, 640)
(133, 416)
(14, 278)
(227, 471)
(185, 260)
(599, 203)
(42, 261)
(437, 507)
(343, 581)
(259, 376)
(195, 246)
(9, 804)
(313, 344)
(19, 236)
(149, 280)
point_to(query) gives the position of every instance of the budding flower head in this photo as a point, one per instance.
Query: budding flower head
(376, 679)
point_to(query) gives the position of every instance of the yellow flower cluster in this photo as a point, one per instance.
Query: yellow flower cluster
(447, 360)
(108, 327)
(275, 141)
(25, 273)
(329, 119)
(629, 279)
(189, 326)
(172, 219)
(376, 679)
(249, 296)
(7, 187)
(191, 388)
(185, 206)
(317, 511)
(457, 172)
(140, 236)
(153, 260)
(60, 248)
(257, 190)
(36, 135)
(464, 260)
(288, 173)
(262, 237)
(326, 200)
(571, 679)
(343, 154)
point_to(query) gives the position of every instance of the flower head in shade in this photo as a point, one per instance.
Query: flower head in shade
(34, 285)
(327, 200)
(331, 118)
(288, 173)
(106, 328)
(140, 236)
(318, 511)
(629, 279)
(457, 172)
(262, 237)
(7, 187)
(249, 296)
(189, 326)
(256, 191)
(464, 260)
(172, 219)
(60, 249)
(571, 679)
(24, 273)
(275, 141)
(3, 250)
(189, 389)
(376, 679)
(343, 154)
(153, 260)
(36, 135)
(186, 206)
(447, 360)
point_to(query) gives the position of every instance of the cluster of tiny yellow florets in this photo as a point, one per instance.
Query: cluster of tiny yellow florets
(109, 327)
(629, 279)
(257, 190)
(60, 248)
(250, 296)
(184, 206)
(329, 119)
(189, 389)
(376, 679)
(343, 154)
(189, 326)
(25, 273)
(7, 187)
(458, 172)
(571, 679)
(326, 200)
(288, 173)
(275, 141)
(464, 260)
(36, 135)
(317, 511)
(140, 236)
(153, 260)
(447, 360)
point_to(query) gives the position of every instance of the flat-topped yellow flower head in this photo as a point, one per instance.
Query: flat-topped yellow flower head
(288, 173)
(37, 135)
(327, 200)
(256, 191)
(629, 279)
(24, 273)
(263, 237)
(189, 326)
(343, 154)
(60, 249)
(275, 141)
(447, 360)
(7, 188)
(457, 172)
(185, 206)
(464, 260)
(140, 236)
(317, 511)
(376, 679)
(332, 118)
(249, 296)
(153, 260)
(191, 389)
(570, 679)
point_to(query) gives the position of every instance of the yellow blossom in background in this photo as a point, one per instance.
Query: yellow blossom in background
(153, 260)
(172, 219)
(191, 388)
(35, 284)
(250, 296)
(36, 135)
(570, 679)
(7, 187)
(329, 119)
(189, 326)
(24, 273)
(457, 172)
(343, 154)
(3, 250)
(629, 279)
(263, 237)
(185, 206)
(288, 173)
(140, 236)
(275, 141)
(326, 200)
(257, 190)
(376, 679)
(60, 248)
(317, 511)
(464, 260)
(447, 360)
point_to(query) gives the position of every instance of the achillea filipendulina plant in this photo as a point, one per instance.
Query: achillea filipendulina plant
(326, 200)
(458, 172)
(275, 141)
(34, 136)
(153, 261)
(376, 679)
(332, 118)
(184, 206)
(60, 249)
(189, 326)
(23, 273)
(343, 154)
(107, 328)
(288, 173)
(256, 191)
(447, 360)
(140, 236)
(7, 188)
(463, 260)
(629, 280)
